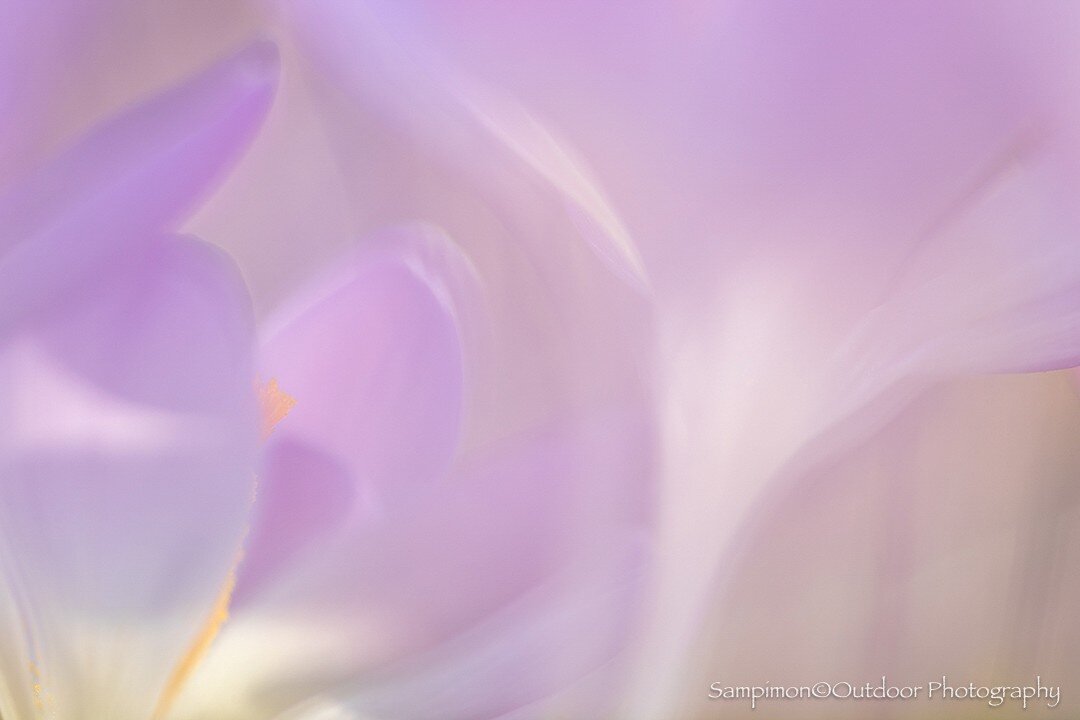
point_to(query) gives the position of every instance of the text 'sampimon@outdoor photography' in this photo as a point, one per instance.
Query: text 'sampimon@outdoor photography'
(939, 690)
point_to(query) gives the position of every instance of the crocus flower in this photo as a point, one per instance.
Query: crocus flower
(397, 579)
(367, 555)
(844, 218)
(130, 427)
(821, 256)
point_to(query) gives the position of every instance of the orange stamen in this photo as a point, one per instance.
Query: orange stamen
(275, 403)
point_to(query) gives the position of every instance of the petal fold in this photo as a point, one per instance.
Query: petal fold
(474, 128)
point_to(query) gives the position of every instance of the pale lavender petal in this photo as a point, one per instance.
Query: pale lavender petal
(525, 562)
(496, 527)
(172, 303)
(476, 129)
(304, 496)
(374, 357)
(125, 496)
(377, 129)
(517, 661)
(65, 64)
(867, 216)
(138, 174)
(997, 286)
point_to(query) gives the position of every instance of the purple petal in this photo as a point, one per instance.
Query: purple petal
(173, 302)
(138, 174)
(525, 562)
(995, 289)
(518, 660)
(481, 133)
(304, 497)
(124, 496)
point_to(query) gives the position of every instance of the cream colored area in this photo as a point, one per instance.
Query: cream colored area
(941, 546)
(240, 678)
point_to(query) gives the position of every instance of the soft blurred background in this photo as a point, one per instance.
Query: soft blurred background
(782, 298)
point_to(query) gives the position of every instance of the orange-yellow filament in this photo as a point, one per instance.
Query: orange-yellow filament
(198, 649)
(275, 404)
